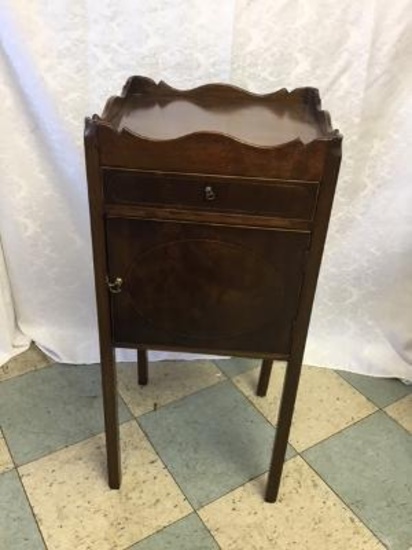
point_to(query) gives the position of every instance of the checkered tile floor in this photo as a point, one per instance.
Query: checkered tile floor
(196, 445)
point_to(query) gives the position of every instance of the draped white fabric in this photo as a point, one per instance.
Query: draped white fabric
(61, 59)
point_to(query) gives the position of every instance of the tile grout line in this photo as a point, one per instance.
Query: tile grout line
(133, 417)
(228, 379)
(68, 445)
(255, 407)
(357, 390)
(194, 510)
(15, 467)
(377, 409)
(398, 424)
(158, 407)
(163, 462)
(383, 407)
(155, 533)
(375, 535)
(31, 371)
(397, 401)
(352, 425)
(300, 453)
(339, 431)
(170, 525)
(32, 510)
(207, 529)
(76, 441)
(224, 379)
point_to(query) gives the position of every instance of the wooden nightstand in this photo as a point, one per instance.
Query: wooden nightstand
(209, 211)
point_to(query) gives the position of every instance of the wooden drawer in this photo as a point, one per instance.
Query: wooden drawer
(265, 197)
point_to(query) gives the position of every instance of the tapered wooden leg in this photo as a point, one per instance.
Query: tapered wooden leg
(142, 367)
(264, 377)
(290, 388)
(111, 419)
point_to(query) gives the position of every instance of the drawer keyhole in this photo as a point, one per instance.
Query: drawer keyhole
(210, 195)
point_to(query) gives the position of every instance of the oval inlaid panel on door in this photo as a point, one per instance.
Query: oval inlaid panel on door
(202, 288)
(203, 285)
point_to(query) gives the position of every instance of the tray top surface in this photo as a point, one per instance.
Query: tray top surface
(159, 112)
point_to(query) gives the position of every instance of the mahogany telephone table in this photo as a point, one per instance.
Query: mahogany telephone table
(209, 212)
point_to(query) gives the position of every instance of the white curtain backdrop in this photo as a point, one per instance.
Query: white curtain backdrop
(61, 59)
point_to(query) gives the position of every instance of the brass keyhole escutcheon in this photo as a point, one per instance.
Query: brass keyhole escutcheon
(210, 194)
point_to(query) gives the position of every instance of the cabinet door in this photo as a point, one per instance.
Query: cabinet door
(203, 287)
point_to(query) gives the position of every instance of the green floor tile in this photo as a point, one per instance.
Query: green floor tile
(211, 441)
(236, 365)
(188, 533)
(18, 529)
(369, 465)
(381, 391)
(45, 410)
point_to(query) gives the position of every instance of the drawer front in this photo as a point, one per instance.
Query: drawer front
(204, 287)
(283, 199)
